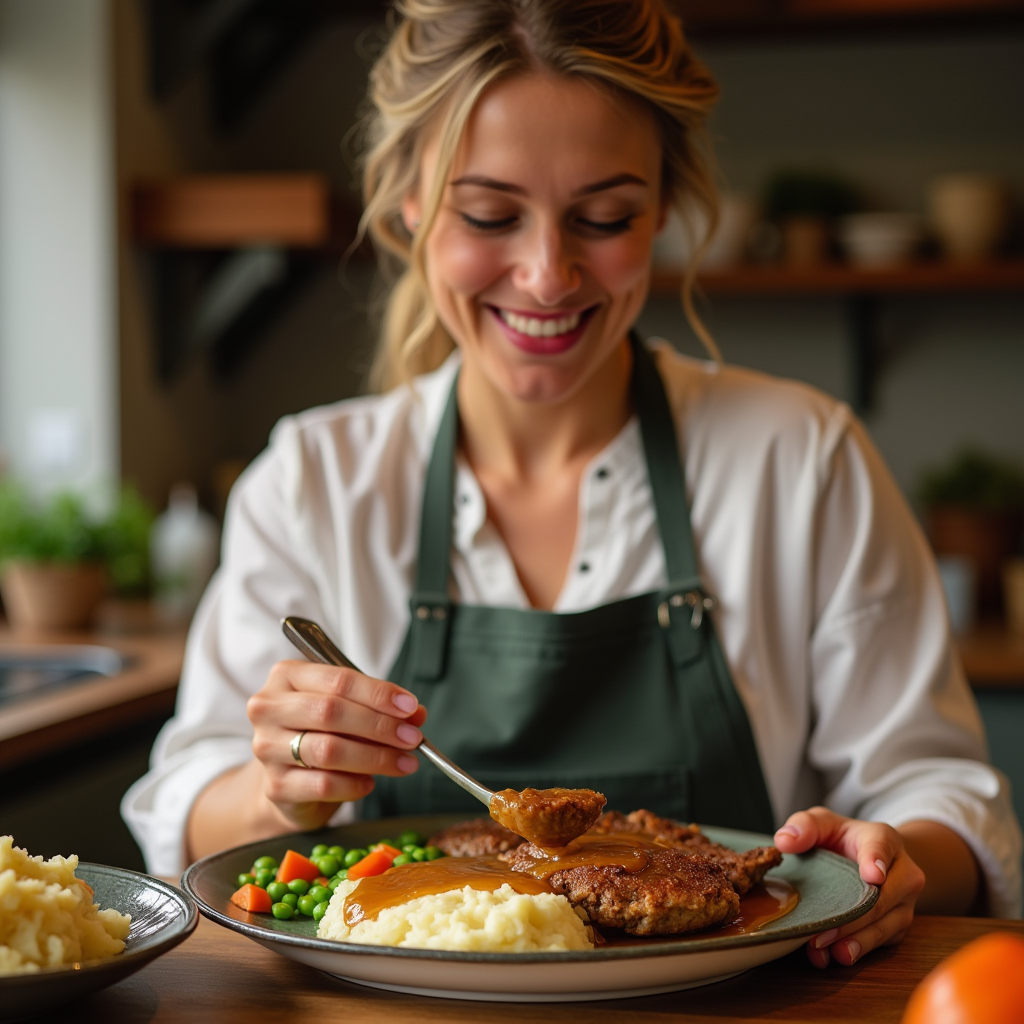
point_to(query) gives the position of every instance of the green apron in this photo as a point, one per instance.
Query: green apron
(632, 698)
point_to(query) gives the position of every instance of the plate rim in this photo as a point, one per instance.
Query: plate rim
(674, 947)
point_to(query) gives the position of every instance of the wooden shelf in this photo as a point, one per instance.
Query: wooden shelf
(230, 210)
(756, 20)
(993, 657)
(842, 279)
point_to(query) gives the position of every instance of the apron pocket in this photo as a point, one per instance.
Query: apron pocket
(666, 792)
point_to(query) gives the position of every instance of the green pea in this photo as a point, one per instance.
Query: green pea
(265, 864)
(328, 865)
(276, 891)
(246, 879)
(410, 838)
(264, 877)
(354, 857)
(337, 851)
(318, 851)
(335, 882)
(299, 886)
(402, 858)
(433, 853)
(319, 910)
(282, 911)
(291, 899)
(320, 893)
(419, 854)
(306, 905)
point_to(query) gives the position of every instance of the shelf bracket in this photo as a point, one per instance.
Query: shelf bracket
(865, 352)
(219, 302)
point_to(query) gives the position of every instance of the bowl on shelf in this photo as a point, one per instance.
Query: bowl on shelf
(879, 239)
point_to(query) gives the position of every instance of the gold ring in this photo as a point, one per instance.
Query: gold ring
(296, 748)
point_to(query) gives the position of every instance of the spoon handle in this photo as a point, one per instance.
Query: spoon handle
(316, 645)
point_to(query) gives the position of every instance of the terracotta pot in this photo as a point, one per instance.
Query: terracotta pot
(988, 539)
(805, 241)
(50, 595)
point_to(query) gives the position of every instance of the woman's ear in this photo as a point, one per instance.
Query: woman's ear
(663, 211)
(411, 213)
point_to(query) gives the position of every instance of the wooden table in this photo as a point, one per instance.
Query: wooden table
(218, 975)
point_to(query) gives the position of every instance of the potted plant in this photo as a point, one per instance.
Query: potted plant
(805, 204)
(974, 508)
(57, 560)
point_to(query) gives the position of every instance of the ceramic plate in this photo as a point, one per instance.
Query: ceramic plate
(831, 893)
(162, 916)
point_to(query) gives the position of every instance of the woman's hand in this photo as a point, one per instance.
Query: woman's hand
(883, 861)
(355, 728)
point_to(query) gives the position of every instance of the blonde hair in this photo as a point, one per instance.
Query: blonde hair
(440, 59)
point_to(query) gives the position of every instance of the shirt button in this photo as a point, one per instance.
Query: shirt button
(602, 473)
(464, 498)
(584, 567)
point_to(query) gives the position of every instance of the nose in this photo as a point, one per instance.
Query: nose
(546, 267)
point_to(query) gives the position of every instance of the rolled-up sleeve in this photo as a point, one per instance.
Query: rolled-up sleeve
(234, 641)
(897, 736)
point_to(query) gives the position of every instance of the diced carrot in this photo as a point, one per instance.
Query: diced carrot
(376, 862)
(294, 865)
(322, 880)
(252, 898)
(387, 849)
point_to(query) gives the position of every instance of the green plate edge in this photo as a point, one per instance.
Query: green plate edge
(831, 894)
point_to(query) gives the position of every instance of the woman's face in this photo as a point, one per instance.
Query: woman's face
(539, 258)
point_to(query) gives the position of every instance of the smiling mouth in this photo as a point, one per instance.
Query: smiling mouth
(543, 327)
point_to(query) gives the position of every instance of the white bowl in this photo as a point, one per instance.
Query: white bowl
(879, 239)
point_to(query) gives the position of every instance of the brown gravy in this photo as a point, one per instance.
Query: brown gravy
(550, 818)
(410, 881)
(628, 850)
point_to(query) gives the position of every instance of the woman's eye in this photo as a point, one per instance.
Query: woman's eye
(608, 227)
(488, 225)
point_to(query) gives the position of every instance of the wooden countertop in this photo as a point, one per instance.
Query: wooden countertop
(83, 710)
(218, 975)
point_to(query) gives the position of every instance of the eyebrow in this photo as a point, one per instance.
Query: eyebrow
(586, 190)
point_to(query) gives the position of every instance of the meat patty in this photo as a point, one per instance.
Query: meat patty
(480, 837)
(678, 891)
(743, 870)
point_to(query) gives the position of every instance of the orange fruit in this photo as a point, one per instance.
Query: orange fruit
(983, 983)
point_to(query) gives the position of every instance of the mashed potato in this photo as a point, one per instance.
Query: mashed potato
(47, 915)
(502, 921)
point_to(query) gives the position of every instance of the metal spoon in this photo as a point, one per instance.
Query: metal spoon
(316, 645)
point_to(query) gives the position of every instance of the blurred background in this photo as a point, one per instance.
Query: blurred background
(178, 199)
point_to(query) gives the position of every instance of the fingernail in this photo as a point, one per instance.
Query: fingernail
(853, 950)
(880, 864)
(409, 734)
(407, 764)
(405, 702)
(825, 938)
(789, 830)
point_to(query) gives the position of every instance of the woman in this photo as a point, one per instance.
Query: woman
(552, 607)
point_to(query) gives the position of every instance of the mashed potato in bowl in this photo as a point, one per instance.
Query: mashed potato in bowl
(466, 920)
(47, 915)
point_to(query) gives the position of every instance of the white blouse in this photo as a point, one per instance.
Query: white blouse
(830, 611)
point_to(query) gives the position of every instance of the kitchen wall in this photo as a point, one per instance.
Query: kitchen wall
(890, 115)
(58, 338)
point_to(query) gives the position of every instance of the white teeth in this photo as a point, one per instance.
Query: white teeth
(536, 328)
